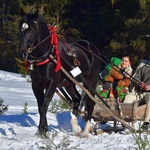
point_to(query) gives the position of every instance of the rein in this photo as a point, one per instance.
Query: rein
(34, 47)
(131, 77)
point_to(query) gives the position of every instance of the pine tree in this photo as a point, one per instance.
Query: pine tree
(3, 108)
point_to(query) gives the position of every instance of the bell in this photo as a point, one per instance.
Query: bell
(31, 67)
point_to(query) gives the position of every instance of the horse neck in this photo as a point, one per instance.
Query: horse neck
(43, 29)
(43, 33)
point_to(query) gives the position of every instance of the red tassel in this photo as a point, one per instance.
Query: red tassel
(27, 65)
(54, 41)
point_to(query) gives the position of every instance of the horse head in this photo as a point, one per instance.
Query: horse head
(34, 36)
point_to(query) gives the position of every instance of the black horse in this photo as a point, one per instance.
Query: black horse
(37, 42)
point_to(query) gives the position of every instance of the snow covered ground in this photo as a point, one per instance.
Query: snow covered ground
(17, 130)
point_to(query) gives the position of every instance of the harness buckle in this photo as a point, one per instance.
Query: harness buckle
(29, 50)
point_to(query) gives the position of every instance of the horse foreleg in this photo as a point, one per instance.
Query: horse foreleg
(43, 126)
(38, 90)
(43, 100)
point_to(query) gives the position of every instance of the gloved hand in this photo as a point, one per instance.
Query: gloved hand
(124, 82)
(142, 85)
(147, 87)
(116, 74)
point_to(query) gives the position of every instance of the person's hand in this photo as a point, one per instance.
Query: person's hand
(147, 87)
(141, 84)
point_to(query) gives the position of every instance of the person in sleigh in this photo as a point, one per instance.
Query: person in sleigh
(116, 78)
(141, 91)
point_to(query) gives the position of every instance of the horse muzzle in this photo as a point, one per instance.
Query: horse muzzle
(22, 54)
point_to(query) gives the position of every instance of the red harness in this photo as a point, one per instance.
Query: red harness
(54, 41)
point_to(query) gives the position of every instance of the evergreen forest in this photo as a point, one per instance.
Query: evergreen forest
(116, 27)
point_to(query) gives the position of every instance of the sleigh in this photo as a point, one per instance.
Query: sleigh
(109, 109)
(125, 113)
(128, 113)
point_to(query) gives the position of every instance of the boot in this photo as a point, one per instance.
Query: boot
(145, 126)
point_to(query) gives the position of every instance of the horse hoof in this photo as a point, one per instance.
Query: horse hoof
(76, 130)
(41, 135)
(88, 128)
(84, 135)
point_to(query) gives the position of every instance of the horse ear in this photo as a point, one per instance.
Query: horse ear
(22, 13)
(36, 14)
